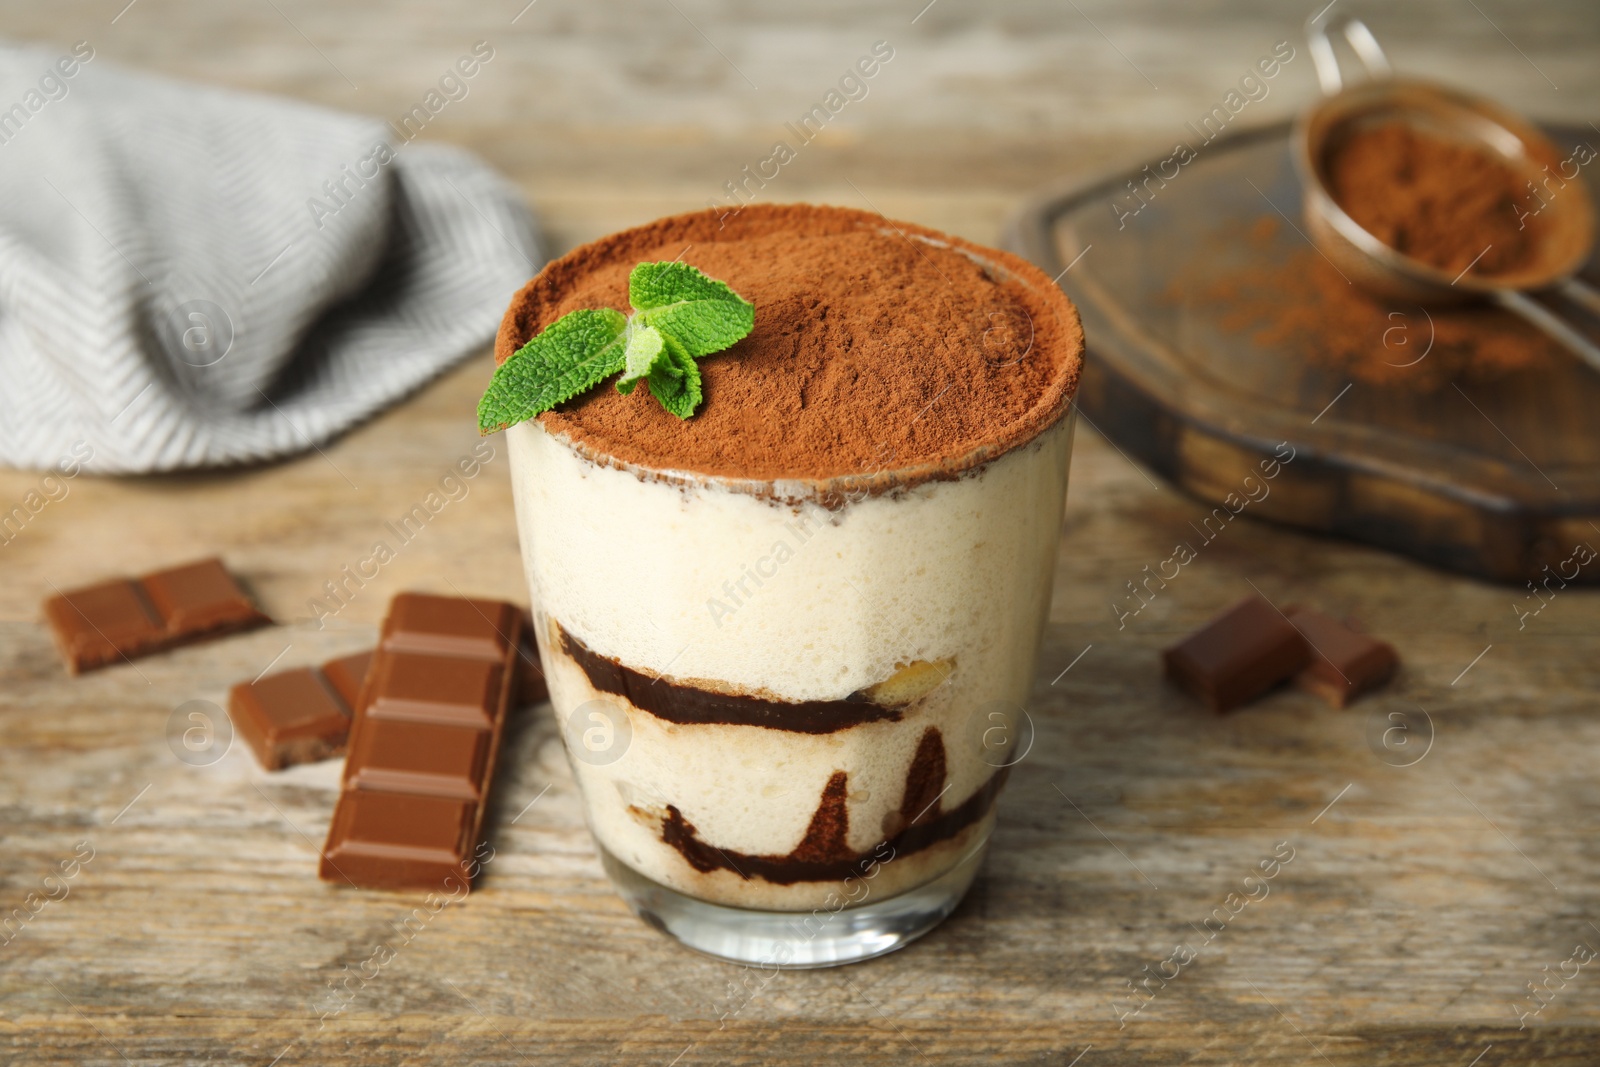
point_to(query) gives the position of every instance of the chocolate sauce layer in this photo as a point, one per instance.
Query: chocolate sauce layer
(686, 704)
(822, 854)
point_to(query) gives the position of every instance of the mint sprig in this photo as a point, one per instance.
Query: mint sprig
(679, 315)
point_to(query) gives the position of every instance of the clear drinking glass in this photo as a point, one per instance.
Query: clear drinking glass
(790, 705)
(698, 790)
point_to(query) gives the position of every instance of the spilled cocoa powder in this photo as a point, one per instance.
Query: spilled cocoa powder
(1445, 202)
(1299, 304)
(877, 345)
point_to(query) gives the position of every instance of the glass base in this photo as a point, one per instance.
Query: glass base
(795, 939)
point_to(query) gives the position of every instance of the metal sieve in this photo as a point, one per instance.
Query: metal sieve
(1566, 232)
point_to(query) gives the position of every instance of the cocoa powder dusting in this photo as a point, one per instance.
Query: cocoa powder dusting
(876, 346)
(1444, 202)
(1297, 302)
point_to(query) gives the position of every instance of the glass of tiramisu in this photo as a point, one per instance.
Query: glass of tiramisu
(789, 638)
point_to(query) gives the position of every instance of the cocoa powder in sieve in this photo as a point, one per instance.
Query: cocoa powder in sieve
(877, 345)
(1445, 202)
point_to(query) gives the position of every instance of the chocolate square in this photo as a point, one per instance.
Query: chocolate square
(1344, 661)
(200, 596)
(290, 717)
(1238, 655)
(100, 624)
(449, 626)
(431, 759)
(346, 674)
(398, 840)
(434, 688)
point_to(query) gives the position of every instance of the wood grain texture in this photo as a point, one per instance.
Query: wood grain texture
(1404, 931)
(1462, 477)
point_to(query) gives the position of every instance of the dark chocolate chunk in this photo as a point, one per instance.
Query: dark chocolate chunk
(1344, 661)
(301, 715)
(423, 744)
(1238, 655)
(122, 618)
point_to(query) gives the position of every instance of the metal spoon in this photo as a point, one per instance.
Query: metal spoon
(1566, 230)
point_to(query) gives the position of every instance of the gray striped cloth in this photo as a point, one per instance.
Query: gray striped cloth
(194, 277)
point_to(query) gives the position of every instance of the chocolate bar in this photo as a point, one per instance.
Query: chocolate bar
(300, 715)
(124, 618)
(423, 744)
(1238, 655)
(1344, 661)
(303, 715)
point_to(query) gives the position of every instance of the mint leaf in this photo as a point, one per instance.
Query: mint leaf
(679, 315)
(570, 355)
(701, 313)
(675, 380)
(645, 345)
(654, 285)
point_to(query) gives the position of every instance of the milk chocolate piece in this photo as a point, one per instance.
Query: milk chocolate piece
(398, 840)
(126, 618)
(425, 758)
(451, 626)
(346, 674)
(1344, 661)
(1238, 655)
(423, 745)
(101, 623)
(198, 597)
(301, 715)
(456, 689)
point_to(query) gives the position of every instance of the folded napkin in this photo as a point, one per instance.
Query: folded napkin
(191, 276)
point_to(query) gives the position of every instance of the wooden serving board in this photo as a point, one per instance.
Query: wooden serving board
(1496, 476)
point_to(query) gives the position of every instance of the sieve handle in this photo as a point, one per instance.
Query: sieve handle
(1532, 311)
(1583, 294)
(1362, 42)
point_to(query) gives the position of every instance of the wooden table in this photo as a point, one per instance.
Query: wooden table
(1420, 900)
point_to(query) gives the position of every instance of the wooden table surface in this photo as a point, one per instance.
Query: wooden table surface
(1430, 881)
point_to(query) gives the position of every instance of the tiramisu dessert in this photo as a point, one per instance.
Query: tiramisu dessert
(788, 634)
